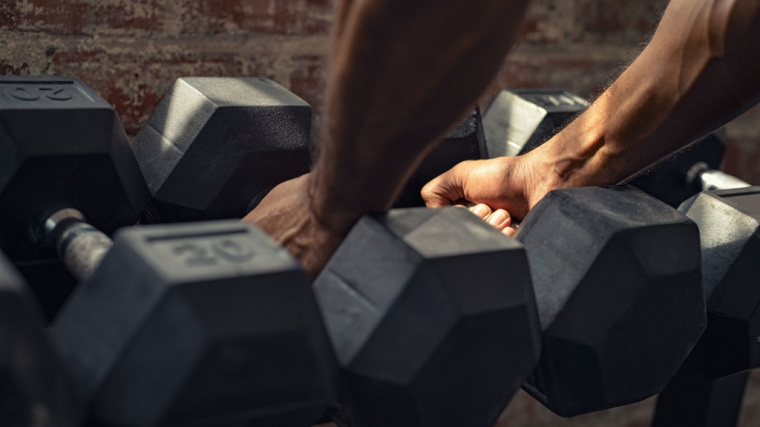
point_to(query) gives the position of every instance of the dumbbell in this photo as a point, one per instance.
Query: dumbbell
(678, 177)
(519, 120)
(34, 389)
(62, 145)
(432, 318)
(728, 216)
(709, 387)
(204, 146)
(202, 323)
(215, 146)
(617, 279)
(616, 274)
(684, 174)
(210, 323)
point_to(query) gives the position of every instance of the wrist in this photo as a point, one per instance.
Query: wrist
(539, 177)
(587, 152)
(330, 210)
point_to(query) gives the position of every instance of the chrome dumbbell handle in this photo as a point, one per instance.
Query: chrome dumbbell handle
(705, 179)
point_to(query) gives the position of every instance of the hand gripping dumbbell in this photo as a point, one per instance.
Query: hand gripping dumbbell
(606, 342)
(210, 323)
(519, 120)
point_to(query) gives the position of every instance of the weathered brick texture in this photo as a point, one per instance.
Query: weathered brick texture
(132, 51)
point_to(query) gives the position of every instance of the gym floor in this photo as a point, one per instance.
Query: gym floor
(525, 411)
(132, 53)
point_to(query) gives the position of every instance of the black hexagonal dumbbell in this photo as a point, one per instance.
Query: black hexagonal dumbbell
(519, 120)
(709, 387)
(62, 146)
(210, 324)
(34, 387)
(602, 349)
(432, 318)
(617, 281)
(728, 216)
(203, 324)
(215, 147)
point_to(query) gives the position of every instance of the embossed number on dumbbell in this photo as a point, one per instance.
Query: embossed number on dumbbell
(556, 100)
(27, 93)
(232, 251)
(211, 252)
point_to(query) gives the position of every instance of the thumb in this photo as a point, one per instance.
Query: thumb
(443, 190)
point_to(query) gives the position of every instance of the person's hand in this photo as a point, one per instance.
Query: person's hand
(499, 218)
(506, 185)
(286, 214)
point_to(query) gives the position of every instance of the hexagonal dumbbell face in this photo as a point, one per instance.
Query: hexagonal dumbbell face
(617, 280)
(729, 229)
(34, 387)
(195, 324)
(432, 318)
(61, 145)
(520, 120)
(215, 146)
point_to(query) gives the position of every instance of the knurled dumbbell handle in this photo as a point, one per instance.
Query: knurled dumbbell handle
(80, 246)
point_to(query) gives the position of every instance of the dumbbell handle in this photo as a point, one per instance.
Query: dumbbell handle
(80, 246)
(702, 177)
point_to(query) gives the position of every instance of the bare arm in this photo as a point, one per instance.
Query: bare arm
(402, 73)
(699, 71)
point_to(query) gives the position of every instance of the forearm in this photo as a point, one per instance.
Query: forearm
(402, 73)
(699, 71)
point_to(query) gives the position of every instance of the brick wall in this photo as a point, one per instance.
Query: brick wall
(131, 52)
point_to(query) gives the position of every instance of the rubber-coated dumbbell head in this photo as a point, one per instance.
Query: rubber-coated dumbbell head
(215, 146)
(617, 279)
(61, 145)
(432, 318)
(729, 228)
(519, 120)
(198, 324)
(34, 387)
